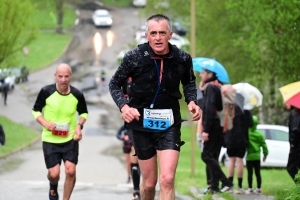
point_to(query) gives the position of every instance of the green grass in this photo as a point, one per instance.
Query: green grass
(17, 136)
(275, 182)
(48, 46)
(118, 3)
(45, 49)
(45, 15)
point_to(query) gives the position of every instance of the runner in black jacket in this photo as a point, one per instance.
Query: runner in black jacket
(157, 68)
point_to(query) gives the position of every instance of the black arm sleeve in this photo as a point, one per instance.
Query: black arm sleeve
(189, 83)
(210, 107)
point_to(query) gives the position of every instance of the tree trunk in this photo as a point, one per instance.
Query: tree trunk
(59, 10)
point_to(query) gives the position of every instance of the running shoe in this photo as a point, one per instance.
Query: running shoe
(258, 191)
(250, 191)
(136, 196)
(227, 189)
(240, 191)
(53, 195)
(213, 191)
(205, 190)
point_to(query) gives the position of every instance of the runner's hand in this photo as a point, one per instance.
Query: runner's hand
(50, 126)
(77, 135)
(129, 113)
(205, 137)
(195, 110)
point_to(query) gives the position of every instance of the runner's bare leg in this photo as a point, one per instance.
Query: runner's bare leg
(70, 170)
(149, 178)
(168, 160)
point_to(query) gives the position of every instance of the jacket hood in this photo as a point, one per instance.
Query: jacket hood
(255, 122)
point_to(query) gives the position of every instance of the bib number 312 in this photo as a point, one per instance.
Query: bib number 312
(158, 119)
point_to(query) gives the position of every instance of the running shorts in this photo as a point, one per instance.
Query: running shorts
(146, 143)
(126, 150)
(236, 152)
(54, 153)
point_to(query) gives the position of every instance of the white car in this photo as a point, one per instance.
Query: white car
(175, 40)
(140, 33)
(102, 17)
(277, 139)
(139, 3)
(8, 77)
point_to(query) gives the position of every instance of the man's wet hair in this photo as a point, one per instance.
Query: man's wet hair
(208, 71)
(159, 17)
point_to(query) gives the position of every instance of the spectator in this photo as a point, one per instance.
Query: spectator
(2, 136)
(256, 142)
(4, 89)
(236, 141)
(293, 164)
(212, 134)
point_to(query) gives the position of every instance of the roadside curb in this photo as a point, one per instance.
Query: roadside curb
(20, 148)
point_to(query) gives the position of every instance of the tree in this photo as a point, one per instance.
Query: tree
(60, 14)
(16, 28)
(257, 42)
(270, 35)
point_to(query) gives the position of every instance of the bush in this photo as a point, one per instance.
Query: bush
(294, 193)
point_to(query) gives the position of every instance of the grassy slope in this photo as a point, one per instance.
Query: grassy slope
(17, 136)
(275, 182)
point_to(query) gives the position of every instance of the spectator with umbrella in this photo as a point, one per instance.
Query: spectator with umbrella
(212, 73)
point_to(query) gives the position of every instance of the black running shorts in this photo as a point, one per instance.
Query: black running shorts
(236, 152)
(54, 153)
(126, 150)
(146, 143)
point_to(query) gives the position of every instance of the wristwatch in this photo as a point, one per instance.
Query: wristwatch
(81, 125)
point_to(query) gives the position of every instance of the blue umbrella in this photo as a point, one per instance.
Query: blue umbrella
(213, 66)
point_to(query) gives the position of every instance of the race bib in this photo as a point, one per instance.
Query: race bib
(61, 130)
(158, 119)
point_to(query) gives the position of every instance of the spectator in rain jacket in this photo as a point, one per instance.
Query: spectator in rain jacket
(212, 133)
(256, 142)
(293, 164)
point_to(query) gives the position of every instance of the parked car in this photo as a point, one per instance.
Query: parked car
(139, 3)
(162, 5)
(8, 77)
(277, 139)
(176, 28)
(179, 29)
(21, 74)
(102, 18)
(175, 40)
(140, 32)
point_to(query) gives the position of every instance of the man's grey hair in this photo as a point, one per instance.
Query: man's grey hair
(159, 17)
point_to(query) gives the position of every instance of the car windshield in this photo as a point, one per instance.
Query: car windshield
(102, 15)
(273, 134)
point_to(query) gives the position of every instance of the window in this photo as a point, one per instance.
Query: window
(279, 135)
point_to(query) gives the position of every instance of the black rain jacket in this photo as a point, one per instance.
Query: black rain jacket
(139, 64)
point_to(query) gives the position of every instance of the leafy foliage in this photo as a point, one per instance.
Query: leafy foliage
(16, 27)
(294, 193)
(256, 41)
